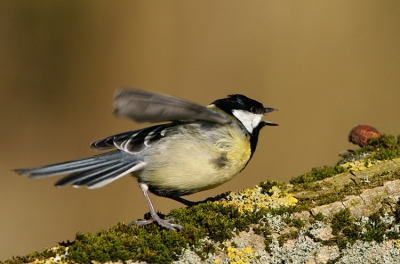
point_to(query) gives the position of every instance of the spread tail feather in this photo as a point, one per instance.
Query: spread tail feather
(93, 172)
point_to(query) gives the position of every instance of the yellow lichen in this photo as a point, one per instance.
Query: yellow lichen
(239, 255)
(251, 200)
(360, 165)
(396, 243)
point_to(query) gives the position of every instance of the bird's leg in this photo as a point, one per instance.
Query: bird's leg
(154, 217)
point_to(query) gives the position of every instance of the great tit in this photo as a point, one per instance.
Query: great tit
(199, 148)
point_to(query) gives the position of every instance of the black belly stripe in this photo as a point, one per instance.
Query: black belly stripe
(222, 160)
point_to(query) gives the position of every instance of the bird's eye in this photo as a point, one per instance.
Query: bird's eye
(253, 109)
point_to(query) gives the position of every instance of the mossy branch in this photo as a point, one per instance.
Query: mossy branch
(332, 214)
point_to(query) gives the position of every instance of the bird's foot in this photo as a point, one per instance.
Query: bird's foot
(167, 223)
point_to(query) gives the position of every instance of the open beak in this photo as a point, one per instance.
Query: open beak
(268, 110)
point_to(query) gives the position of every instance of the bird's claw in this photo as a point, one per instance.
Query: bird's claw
(167, 223)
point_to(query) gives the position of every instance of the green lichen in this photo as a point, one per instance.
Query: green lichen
(341, 220)
(265, 231)
(287, 236)
(296, 222)
(268, 185)
(121, 242)
(318, 174)
(319, 187)
(376, 227)
(45, 254)
(385, 147)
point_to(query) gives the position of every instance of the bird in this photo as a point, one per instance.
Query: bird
(194, 148)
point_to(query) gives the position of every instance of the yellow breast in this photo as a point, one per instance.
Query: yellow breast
(183, 165)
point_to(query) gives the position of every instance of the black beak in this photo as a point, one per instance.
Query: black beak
(266, 123)
(268, 110)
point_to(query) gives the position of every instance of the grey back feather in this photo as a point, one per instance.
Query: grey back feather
(145, 106)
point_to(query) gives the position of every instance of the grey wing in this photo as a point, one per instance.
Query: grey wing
(133, 141)
(145, 106)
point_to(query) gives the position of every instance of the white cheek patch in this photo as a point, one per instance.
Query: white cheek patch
(249, 120)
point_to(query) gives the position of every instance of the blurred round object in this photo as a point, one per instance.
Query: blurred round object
(362, 133)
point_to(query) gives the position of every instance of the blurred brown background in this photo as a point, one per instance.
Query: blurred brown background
(326, 65)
